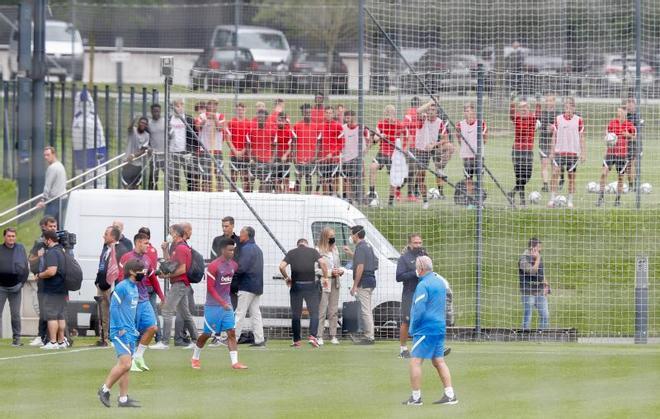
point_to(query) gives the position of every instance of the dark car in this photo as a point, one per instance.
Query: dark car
(309, 73)
(216, 68)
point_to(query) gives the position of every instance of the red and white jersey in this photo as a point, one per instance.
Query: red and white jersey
(567, 133)
(469, 136)
(212, 130)
(428, 133)
(352, 141)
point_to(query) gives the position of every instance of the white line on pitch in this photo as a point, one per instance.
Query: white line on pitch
(58, 352)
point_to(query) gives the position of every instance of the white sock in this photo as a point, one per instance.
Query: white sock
(197, 351)
(233, 355)
(416, 394)
(403, 348)
(105, 388)
(449, 391)
(123, 399)
(570, 197)
(553, 196)
(139, 352)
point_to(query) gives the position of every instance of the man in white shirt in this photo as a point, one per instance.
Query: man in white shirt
(54, 185)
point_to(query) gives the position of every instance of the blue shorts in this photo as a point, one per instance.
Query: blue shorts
(217, 319)
(124, 344)
(428, 346)
(145, 316)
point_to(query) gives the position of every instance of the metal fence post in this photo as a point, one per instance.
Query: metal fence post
(638, 99)
(5, 130)
(641, 299)
(361, 29)
(95, 100)
(480, 210)
(38, 97)
(106, 127)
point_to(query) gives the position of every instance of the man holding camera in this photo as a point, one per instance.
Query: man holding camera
(104, 282)
(35, 259)
(55, 293)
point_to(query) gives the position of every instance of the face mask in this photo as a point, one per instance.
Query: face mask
(169, 238)
(139, 276)
(331, 241)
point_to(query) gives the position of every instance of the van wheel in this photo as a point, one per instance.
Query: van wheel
(387, 319)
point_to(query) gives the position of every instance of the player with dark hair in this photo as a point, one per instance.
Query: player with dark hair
(239, 142)
(522, 153)
(568, 148)
(389, 129)
(283, 141)
(262, 140)
(318, 110)
(617, 154)
(218, 310)
(123, 333)
(305, 148)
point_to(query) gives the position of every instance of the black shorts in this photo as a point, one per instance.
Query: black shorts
(305, 169)
(620, 162)
(351, 169)
(422, 159)
(567, 162)
(383, 160)
(207, 164)
(328, 170)
(281, 170)
(131, 176)
(263, 171)
(545, 146)
(54, 306)
(239, 164)
(406, 305)
(436, 155)
(633, 149)
(470, 168)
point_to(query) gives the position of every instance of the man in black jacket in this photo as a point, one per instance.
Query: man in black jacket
(406, 273)
(250, 274)
(111, 238)
(13, 274)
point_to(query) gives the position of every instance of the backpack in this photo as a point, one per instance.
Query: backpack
(195, 271)
(73, 275)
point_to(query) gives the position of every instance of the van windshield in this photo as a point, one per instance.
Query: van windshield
(378, 240)
(61, 33)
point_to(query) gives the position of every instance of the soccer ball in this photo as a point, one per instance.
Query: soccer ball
(538, 124)
(560, 201)
(610, 188)
(535, 197)
(593, 187)
(645, 188)
(434, 193)
(374, 203)
(610, 139)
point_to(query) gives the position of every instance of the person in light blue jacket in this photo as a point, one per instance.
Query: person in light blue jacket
(428, 328)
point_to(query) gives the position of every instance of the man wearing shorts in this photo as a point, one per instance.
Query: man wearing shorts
(617, 155)
(568, 147)
(388, 130)
(146, 322)
(123, 333)
(428, 329)
(466, 130)
(262, 141)
(239, 131)
(218, 310)
(307, 136)
(332, 143)
(351, 159)
(55, 293)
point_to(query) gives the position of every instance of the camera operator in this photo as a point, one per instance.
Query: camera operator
(55, 293)
(103, 283)
(36, 261)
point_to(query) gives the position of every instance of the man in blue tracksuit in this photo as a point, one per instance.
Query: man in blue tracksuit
(427, 327)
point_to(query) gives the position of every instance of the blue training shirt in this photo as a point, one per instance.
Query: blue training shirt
(427, 315)
(123, 308)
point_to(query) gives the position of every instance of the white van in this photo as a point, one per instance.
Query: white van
(289, 217)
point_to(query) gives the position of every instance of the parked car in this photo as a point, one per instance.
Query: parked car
(388, 73)
(613, 70)
(216, 68)
(64, 51)
(269, 48)
(449, 72)
(309, 72)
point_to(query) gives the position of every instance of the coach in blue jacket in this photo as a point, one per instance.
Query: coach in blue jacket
(250, 275)
(428, 327)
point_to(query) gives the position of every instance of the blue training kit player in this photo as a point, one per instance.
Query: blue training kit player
(123, 333)
(427, 317)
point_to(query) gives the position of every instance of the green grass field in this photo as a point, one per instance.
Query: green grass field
(490, 380)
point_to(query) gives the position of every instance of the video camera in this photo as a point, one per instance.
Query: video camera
(66, 239)
(166, 267)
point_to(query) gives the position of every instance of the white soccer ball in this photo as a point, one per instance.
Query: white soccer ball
(626, 188)
(535, 197)
(610, 139)
(374, 203)
(538, 124)
(645, 188)
(560, 201)
(593, 187)
(434, 193)
(610, 188)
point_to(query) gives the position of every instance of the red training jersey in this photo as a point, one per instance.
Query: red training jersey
(318, 115)
(240, 131)
(332, 139)
(307, 136)
(283, 140)
(390, 130)
(525, 127)
(261, 141)
(619, 128)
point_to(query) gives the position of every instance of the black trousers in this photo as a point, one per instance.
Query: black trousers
(310, 292)
(522, 167)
